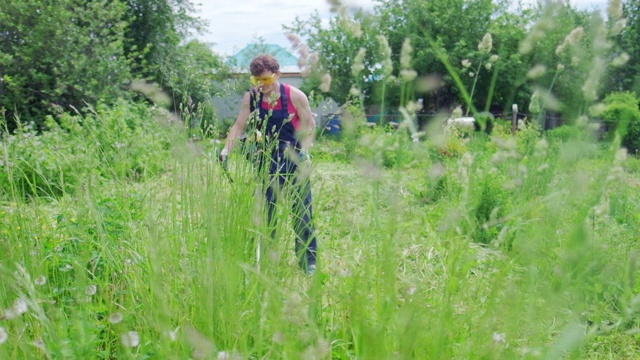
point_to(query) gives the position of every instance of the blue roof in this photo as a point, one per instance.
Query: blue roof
(243, 58)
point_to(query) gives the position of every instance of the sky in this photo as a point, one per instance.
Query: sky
(234, 24)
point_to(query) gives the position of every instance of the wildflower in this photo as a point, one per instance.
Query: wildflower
(20, 306)
(358, 62)
(466, 63)
(494, 58)
(130, 339)
(536, 71)
(487, 66)
(408, 75)
(355, 91)
(66, 268)
(620, 60)
(499, 338)
(560, 67)
(486, 44)
(91, 290)
(405, 54)
(115, 318)
(325, 86)
(3, 335)
(571, 39)
(472, 74)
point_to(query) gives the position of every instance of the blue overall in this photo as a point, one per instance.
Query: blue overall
(284, 170)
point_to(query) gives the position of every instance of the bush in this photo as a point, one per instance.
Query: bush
(622, 115)
(484, 122)
(563, 133)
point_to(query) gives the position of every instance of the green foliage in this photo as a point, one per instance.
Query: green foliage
(418, 253)
(125, 142)
(626, 77)
(386, 147)
(622, 115)
(485, 120)
(339, 43)
(563, 133)
(93, 52)
(43, 64)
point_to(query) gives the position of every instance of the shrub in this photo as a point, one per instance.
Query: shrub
(484, 122)
(622, 115)
(563, 133)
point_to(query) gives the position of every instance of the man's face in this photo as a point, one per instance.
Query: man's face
(266, 81)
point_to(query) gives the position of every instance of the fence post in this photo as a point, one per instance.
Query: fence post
(514, 119)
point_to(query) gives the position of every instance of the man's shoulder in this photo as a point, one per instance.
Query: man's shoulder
(294, 91)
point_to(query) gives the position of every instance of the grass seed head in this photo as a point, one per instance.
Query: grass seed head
(486, 44)
(537, 71)
(406, 54)
(3, 335)
(115, 318)
(325, 86)
(130, 339)
(615, 9)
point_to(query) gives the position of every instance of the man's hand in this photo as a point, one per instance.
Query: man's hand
(223, 156)
(304, 156)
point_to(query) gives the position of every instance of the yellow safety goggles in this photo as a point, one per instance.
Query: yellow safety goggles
(263, 80)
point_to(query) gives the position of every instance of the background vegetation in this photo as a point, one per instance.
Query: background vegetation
(122, 237)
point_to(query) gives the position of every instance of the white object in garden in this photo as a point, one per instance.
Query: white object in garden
(462, 123)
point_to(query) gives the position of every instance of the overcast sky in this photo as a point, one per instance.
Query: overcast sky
(234, 24)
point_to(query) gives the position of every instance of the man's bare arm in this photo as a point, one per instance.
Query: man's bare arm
(240, 124)
(307, 131)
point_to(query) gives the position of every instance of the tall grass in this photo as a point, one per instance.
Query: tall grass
(458, 246)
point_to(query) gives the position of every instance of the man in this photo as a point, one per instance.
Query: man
(282, 113)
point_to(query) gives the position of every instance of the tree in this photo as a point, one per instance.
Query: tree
(337, 46)
(67, 53)
(627, 77)
(71, 53)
